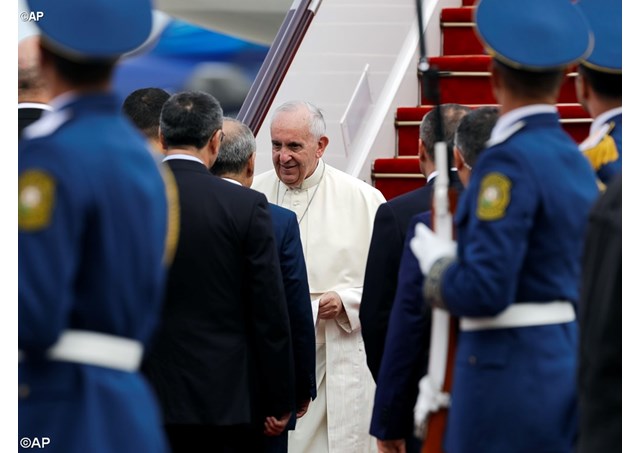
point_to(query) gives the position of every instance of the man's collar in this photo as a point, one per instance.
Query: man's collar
(182, 157)
(315, 177)
(312, 180)
(232, 181)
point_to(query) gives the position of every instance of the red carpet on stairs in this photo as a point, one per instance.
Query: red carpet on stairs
(464, 79)
(573, 117)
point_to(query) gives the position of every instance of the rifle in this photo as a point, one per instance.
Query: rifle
(437, 383)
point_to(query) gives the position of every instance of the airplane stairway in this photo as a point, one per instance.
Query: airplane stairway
(464, 79)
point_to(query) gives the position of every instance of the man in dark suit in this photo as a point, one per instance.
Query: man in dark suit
(389, 230)
(600, 346)
(236, 163)
(221, 362)
(33, 94)
(407, 344)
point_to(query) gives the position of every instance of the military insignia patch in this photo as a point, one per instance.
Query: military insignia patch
(36, 196)
(494, 197)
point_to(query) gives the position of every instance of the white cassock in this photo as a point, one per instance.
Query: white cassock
(335, 213)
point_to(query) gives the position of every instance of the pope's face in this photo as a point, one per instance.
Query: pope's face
(295, 151)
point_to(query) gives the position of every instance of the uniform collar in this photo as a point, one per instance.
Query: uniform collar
(34, 105)
(604, 118)
(507, 120)
(63, 100)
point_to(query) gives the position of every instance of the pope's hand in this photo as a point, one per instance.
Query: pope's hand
(429, 248)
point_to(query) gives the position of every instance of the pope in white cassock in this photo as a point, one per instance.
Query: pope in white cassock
(335, 213)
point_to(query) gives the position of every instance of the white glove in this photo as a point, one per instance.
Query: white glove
(429, 248)
(429, 400)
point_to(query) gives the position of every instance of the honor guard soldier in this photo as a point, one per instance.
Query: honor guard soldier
(512, 278)
(92, 230)
(599, 87)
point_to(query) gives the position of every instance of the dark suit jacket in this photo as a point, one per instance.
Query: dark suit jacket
(296, 287)
(383, 262)
(600, 311)
(406, 351)
(222, 354)
(26, 116)
(381, 277)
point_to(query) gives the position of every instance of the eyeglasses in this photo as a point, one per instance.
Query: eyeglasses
(221, 135)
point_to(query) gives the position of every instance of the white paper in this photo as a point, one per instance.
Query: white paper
(315, 306)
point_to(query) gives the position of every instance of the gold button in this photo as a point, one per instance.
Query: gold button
(472, 359)
(23, 391)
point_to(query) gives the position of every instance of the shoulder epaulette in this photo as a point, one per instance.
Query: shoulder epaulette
(600, 148)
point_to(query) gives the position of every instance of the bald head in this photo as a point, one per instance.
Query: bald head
(31, 85)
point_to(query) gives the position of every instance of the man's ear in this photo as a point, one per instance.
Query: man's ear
(457, 159)
(161, 139)
(251, 165)
(422, 151)
(323, 142)
(214, 144)
(583, 88)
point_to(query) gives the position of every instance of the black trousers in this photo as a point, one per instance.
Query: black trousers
(214, 439)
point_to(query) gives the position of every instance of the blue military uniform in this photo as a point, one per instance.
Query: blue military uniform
(92, 222)
(521, 224)
(603, 147)
(520, 227)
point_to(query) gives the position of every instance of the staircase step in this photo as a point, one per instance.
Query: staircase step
(574, 118)
(458, 32)
(396, 176)
(465, 80)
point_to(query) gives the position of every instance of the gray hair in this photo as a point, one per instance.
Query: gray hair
(236, 149)
(451, 116)
(474, 131)
(317, 125)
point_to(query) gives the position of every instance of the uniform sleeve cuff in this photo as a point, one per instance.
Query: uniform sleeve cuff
(432, 289)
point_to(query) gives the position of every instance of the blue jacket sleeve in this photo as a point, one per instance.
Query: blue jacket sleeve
(405, 356)
(296, 285)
